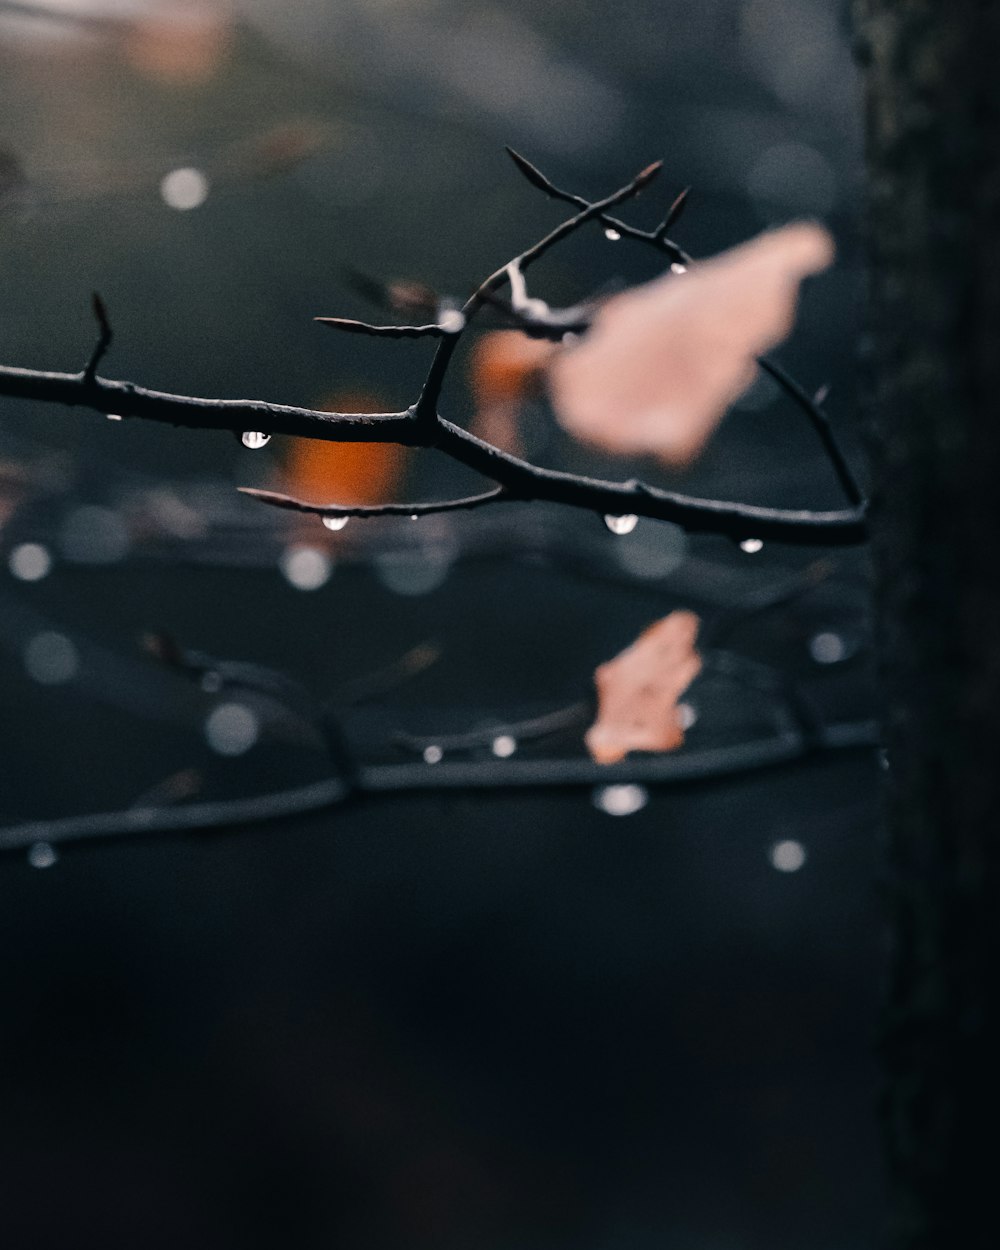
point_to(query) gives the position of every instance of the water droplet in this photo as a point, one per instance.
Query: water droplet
(751, 546)
(687, 715)
(569, 338)
(232, 729)
(620, 800)
(414, 516)
(305, 568)
(433, 754)
(29, 562)
(42, 855)
(883, 759)
(827, 648)
(504, 746)
(621, 524)
(678, 268)
(452, 321)
(335, 522)
(255, 439)
(113, 416)
(787, 856)
(184, 189)
(51, 659)
(612, 235)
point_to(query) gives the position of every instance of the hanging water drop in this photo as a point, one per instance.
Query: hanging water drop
(414, 516)
(676, 267)
(433, 754)
(335, 522)
(623, 800)
(751, 546)
(621, 524)
(452, 321)
(113, 416)
(612, 235)
(255, 439)
(42, 855)
(503, 746)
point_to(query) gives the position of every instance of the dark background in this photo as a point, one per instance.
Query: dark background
(494, 1017)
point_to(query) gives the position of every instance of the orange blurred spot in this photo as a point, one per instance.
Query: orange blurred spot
(506, 364)
(344, 473)
(505, 369)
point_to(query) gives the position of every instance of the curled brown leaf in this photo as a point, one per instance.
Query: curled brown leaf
(638, 691)
(662, 362)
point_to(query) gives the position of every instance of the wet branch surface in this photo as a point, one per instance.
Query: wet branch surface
(422, 425)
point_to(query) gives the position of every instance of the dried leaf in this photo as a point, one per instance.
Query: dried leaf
(662, 362)
(637, 691)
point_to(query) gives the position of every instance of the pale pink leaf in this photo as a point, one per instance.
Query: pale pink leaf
(662, 362)
(637, 691)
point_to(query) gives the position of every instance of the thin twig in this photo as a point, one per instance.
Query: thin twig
(573, 716)
(656, 237)
(387, 332)
(104, 337)
(499, 494)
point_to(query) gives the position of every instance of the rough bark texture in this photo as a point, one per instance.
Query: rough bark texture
(933, 105)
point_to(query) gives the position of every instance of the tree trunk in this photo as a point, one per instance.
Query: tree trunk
(932, 73)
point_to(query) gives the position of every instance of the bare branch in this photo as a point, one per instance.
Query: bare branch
(739, 521)
(104, 337)
(387, 332)
(673, 214)
(499, 494)
(422, 425)
(127, 400)
(811, 406)
(575, 715)
(656, 237)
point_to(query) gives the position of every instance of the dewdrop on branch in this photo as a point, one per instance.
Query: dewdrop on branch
(335, 522)
(621, 524)
(254, 439)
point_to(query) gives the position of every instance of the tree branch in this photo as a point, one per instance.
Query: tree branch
(125, 399)
(499, 494)
(656, 237)
(422, 425)
(388, 332)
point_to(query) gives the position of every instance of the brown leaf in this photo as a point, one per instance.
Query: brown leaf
(637, 691)
(662, 362)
